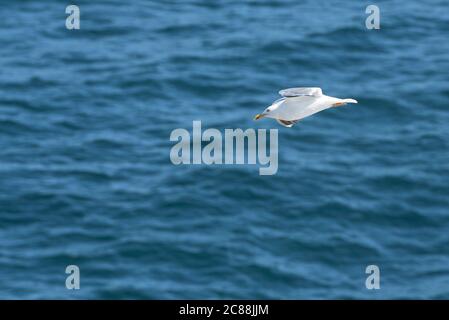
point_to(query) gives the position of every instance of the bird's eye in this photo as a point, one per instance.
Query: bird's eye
(268, 110)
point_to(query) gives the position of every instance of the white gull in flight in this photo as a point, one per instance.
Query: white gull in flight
(298, 103)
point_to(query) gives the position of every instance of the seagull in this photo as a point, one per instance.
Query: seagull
(298, 103)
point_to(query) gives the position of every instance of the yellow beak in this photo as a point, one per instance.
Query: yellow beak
(258, 116)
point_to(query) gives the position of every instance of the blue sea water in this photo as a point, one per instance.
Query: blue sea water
(86, 178)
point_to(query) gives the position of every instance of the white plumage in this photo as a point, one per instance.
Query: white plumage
(298, 103)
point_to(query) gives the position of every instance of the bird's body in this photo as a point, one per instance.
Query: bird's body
(298, 103)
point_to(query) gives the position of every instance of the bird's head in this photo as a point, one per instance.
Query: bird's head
(269, 112)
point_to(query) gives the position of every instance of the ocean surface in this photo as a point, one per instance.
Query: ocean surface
(85, 171)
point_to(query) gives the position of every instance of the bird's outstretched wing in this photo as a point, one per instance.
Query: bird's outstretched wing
(296, 92)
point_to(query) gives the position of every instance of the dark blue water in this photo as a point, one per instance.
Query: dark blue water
(86, 178)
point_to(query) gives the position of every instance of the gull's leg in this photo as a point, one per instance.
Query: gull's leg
(287, 123)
